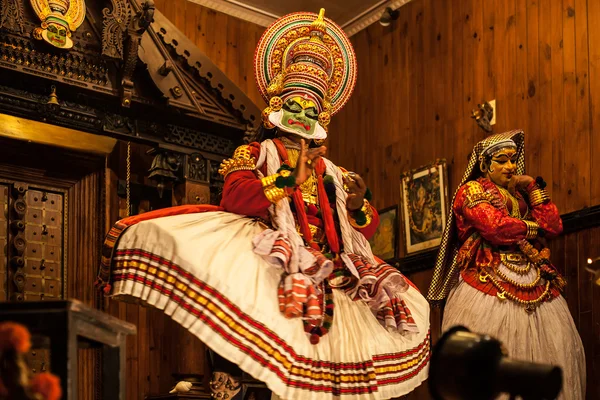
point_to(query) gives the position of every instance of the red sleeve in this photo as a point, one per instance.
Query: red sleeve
(243, 194)
(369, 230)
(493, 225)
(547, 217)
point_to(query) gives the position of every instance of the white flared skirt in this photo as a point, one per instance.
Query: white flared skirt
(201, 270)
(547, 336)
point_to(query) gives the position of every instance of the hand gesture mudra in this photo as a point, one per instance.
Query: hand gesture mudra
(306, 161)
(519, 182)
(356, 191)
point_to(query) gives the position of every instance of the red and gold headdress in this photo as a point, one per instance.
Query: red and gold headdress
(307, 55)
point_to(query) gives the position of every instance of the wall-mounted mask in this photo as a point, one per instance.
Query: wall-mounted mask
(60, 18)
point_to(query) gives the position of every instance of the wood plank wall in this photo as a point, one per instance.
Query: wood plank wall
(570, 254)
(419, 79)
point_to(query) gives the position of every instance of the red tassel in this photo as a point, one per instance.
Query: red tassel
(107, 289)
(332, 236)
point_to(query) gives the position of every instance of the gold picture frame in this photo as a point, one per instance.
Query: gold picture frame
(424, 205)
(384, 242)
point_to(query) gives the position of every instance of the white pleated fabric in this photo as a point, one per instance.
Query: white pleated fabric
(547, 336)
(201, 269)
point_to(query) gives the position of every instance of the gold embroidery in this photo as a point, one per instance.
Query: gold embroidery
(475, 195)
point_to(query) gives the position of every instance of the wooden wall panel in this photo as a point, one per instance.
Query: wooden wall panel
(570, 255)
(420, 78)
(85, 237)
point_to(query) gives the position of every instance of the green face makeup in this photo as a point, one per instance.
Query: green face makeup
(300, 115)
(57, 35)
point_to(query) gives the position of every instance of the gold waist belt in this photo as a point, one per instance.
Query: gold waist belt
(514, 258)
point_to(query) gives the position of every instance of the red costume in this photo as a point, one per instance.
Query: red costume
(243, 194)
(493, 270)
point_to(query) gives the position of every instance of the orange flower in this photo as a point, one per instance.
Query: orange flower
(47, 385)
(14, 336)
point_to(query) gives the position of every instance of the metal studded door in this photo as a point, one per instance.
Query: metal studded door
(34, 235)
(4, 241)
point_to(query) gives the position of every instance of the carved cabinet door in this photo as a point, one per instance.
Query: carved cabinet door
(33, 237)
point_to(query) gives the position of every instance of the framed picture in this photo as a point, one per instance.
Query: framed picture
(384, 242)
(424, 206)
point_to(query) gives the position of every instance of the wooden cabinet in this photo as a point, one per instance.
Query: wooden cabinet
(33, 235)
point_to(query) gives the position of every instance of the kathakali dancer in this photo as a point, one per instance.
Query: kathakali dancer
(280, 280)
(493, 267)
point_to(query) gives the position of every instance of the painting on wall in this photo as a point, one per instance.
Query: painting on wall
(384, 242)
(424, 206)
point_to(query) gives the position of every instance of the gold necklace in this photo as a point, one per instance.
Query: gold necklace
(308, 187)
(515, 212)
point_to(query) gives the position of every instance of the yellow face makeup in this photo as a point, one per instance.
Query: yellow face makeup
(503, 166)
(304, 103)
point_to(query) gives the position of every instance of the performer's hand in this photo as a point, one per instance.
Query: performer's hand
(356, 191)
(306, 161)
(519, 182)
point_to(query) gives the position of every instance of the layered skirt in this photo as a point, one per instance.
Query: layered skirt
(548, 335)
(201, 269)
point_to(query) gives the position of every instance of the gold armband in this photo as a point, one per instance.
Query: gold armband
(242, 160)
(367, 210)
(532, 229)
(538, 196)
(475, 194)
(269, 180)
(274, 194)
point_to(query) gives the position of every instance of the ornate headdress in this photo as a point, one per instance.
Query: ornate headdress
(59, 19)
(307, 55)
(446, 269)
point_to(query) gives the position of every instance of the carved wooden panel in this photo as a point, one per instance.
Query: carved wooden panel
(34, 222)
(191, 193)
(3, 241)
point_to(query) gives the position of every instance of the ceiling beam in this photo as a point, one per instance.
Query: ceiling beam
(260, 17)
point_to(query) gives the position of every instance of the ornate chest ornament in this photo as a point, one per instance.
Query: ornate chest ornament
(60, 18)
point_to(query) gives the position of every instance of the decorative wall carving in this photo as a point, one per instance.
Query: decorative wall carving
(139, 23)
(197, 168)
(115, 25)
(216, 182)
(198, 140)
(20, 52)
(11, 15)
